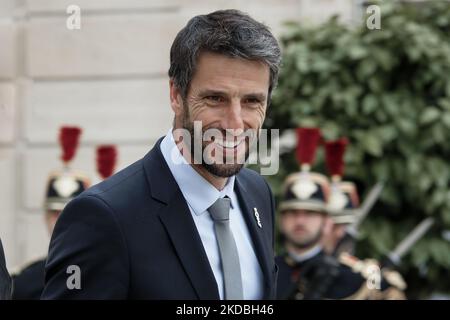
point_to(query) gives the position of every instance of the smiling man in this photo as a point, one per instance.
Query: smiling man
(175, 225)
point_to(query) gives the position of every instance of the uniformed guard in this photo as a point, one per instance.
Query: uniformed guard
(306, 271)
(62, 186)
(5, 279)
(343, 207)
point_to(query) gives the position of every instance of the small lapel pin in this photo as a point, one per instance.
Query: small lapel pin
(258, 220)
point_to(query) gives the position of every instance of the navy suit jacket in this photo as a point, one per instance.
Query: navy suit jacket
(133, 237)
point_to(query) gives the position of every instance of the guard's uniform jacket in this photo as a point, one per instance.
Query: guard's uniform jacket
(5, 279)
(29, 283)
(325, 277)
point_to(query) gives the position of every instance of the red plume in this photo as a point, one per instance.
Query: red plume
(68, 139)
(334, 156)
(307, 141)
(106, 160)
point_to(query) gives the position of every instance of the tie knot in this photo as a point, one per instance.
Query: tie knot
(220, 210)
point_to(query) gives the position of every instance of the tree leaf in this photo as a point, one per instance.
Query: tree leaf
(429, 115)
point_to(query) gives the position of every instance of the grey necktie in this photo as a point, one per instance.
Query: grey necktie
(220, 213)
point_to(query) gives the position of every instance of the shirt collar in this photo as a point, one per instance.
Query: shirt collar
(198, 192)
(307, 255)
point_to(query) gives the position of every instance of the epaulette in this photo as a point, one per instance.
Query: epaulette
(394, 278)
(364, 267)
(367, 267)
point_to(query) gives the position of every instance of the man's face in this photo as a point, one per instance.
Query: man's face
(229, 95)
(302, 228)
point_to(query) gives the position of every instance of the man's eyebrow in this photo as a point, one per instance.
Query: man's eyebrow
(258, 96)
(212, 92)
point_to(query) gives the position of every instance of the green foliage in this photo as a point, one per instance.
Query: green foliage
(388, 91)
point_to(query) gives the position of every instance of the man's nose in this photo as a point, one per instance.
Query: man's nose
(301, 218)
(233, 116)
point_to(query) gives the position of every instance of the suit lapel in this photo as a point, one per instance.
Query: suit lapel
(183, 233)
(177, 220)
(262, 250)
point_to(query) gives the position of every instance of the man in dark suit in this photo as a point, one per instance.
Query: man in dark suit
(170, 226)
(5, 279)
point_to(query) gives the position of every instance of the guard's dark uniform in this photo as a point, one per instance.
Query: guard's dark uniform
(5, 280)
(325, 277)
(321, 275)
(29, 284)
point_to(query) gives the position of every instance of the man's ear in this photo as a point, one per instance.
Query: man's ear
(327, 225)
(340, 230)
(175, 98)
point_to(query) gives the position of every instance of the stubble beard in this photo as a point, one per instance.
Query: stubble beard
(223, 170)
(306, 243)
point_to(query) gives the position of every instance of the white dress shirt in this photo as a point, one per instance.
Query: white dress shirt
(200, 195)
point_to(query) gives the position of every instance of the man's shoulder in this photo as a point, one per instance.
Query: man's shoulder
(253, 185)
(367, 281)
(118, 194)
(132, 182)
(391, 283)
(251, 179)
(343, 282)
(123, 179)
(247, 173)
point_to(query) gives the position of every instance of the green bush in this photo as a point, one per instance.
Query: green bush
(388, 91)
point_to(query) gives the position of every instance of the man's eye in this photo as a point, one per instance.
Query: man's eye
(251, 101)
(215, 98)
